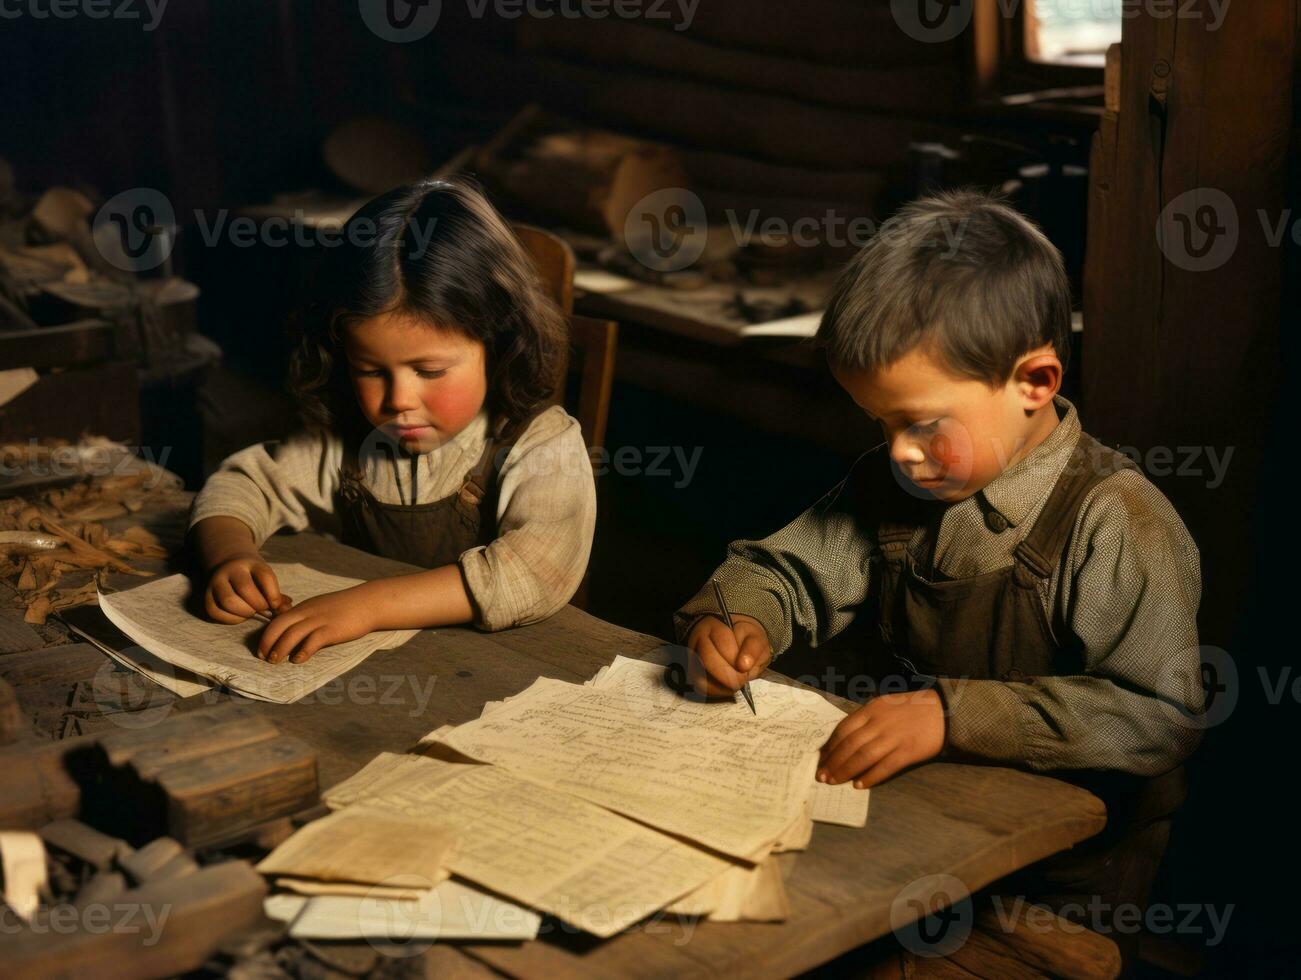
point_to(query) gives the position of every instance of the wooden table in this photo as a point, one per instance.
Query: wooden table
(976, 823)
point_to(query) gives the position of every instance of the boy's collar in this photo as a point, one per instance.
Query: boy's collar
(1017, 490)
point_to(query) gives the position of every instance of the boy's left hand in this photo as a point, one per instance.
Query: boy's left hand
(296, 634)
(885, 735)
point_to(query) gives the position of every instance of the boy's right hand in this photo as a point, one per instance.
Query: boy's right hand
(723, 660)
(242, 587)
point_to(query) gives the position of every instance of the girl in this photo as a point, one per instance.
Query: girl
(423, 382)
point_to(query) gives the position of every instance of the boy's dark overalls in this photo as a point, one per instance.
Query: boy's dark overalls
(993, 627)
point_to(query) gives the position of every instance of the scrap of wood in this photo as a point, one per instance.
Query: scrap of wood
(161, 858)
(219, 797)
(229, 795)
(82, 841)
(203, 908)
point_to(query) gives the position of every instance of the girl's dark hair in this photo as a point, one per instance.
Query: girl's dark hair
(436, 250)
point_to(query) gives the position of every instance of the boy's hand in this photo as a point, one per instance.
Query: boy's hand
(321, 621)
(885, 735)
(242, 587)
(722, 660)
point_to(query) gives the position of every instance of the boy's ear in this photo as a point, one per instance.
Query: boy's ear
(1038, 377)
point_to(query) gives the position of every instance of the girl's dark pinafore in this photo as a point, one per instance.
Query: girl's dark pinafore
(432, 534)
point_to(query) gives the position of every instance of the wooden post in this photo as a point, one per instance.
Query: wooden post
(1181, 329)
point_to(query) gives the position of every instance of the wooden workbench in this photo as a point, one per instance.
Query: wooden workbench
(976, 823)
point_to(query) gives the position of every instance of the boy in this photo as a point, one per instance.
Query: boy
(1040, 591)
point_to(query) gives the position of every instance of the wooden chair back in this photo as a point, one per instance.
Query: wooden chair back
(592, 342)
(592, 347)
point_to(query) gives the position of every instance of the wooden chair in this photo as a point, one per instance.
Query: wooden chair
(592, 347)
(592, 342)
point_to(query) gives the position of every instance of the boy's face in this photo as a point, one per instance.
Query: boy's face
(418, 383)
(950, 436)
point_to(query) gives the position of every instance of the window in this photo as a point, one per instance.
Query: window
(1071, 32)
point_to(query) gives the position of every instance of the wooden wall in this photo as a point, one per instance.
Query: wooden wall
(1182, 350)
(799, 106)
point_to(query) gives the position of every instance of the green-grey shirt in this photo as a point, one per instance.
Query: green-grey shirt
(1128, 587)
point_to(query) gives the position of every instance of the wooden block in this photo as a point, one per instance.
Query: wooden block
(83, 342)
(223, 736)
(58, 405)
(208, 792)
(90, 845)
(201, 909)
(159, 859)
(192, 726)
(218, 798)
(42, 783)
(103, 887)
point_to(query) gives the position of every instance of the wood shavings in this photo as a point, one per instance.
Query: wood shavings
(26, 542)
(58, 531)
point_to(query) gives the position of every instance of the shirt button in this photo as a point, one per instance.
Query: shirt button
(995, 521)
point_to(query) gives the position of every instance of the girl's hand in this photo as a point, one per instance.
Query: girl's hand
(321, 621)
(889, 733)
(242, 587)
(723, 659)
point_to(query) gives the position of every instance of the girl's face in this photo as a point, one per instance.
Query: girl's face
(419, 383)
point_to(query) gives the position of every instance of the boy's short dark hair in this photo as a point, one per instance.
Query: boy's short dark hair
(961, 271)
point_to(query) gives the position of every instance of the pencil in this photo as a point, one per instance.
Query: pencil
(727, 618)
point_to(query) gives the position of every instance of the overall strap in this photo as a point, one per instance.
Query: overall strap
(894, 537)
(481, 482)
(1090, 463)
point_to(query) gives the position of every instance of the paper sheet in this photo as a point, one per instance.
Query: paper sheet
(843, 805)
(552, 851)
(453, 910)
(156, 616)
(362, 785)
(740, 894)
(304, 886)
(366, 846)
(796, 837)
(22, 857)
(713, 773)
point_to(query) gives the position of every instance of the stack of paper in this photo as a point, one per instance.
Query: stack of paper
(182, 649)
(452, 910)
(378, 874)
(544, 848)
(357, 849)
(604, 803)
